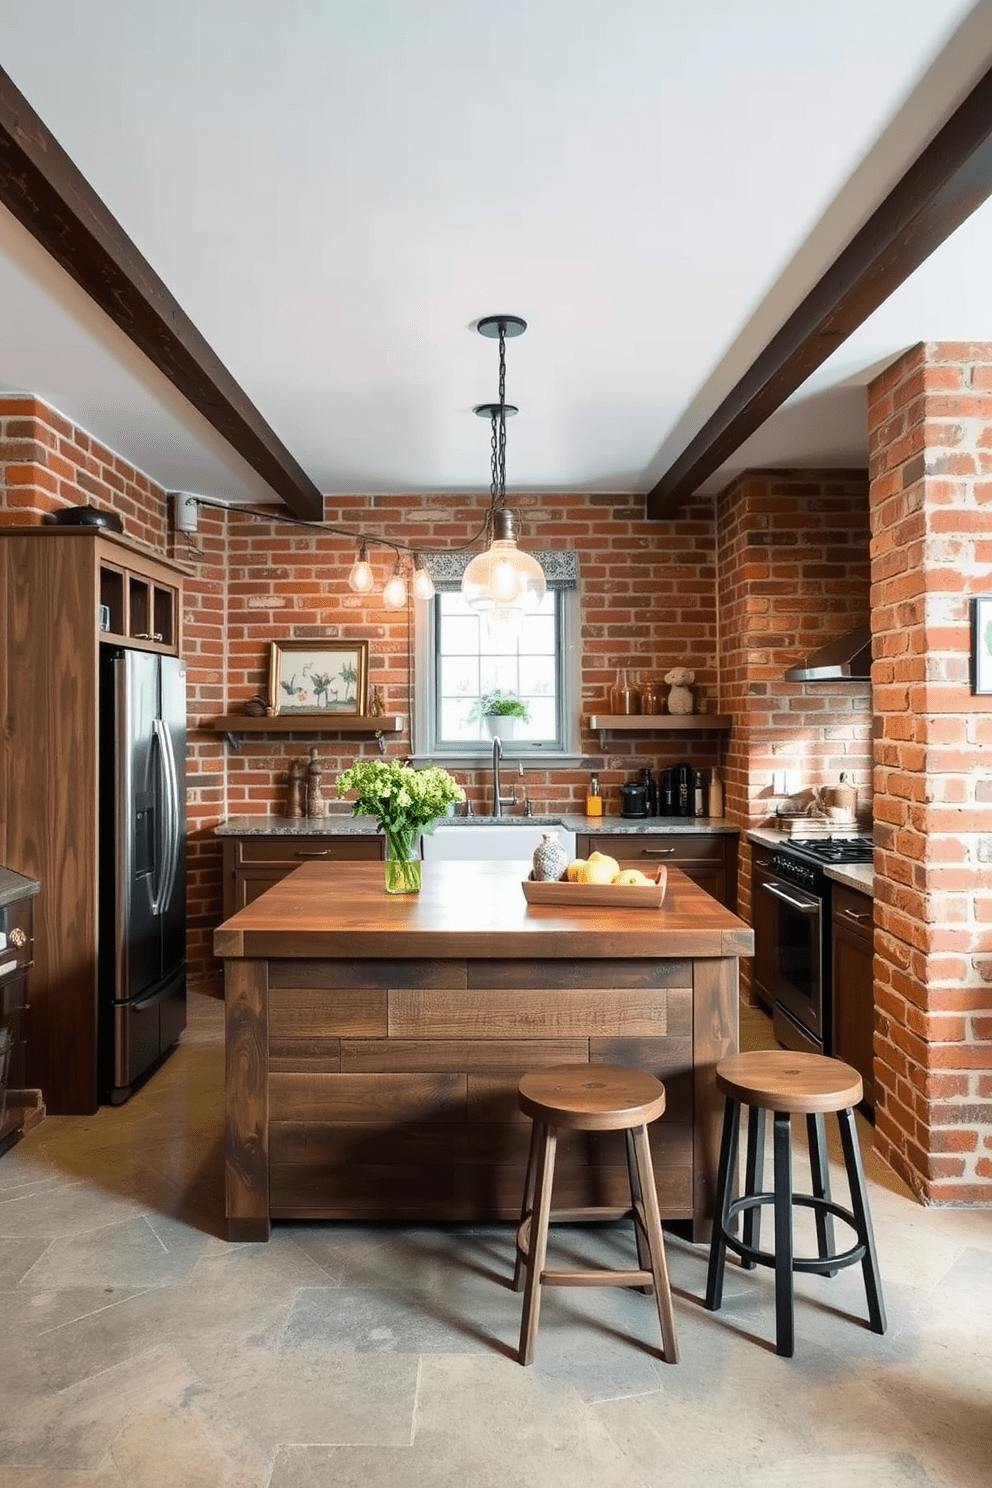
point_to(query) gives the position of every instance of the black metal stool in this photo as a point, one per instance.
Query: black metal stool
(788, 1083)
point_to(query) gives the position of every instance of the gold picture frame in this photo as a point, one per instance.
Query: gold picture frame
(322, 679)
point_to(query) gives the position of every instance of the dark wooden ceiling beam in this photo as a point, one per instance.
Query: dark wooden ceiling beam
(946, 183)
(44, 190)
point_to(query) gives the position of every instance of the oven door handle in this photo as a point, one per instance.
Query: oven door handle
(809, 907)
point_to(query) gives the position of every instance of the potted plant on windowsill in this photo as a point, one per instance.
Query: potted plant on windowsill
(499, 711)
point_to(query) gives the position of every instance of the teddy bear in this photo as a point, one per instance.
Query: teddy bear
(680, 680)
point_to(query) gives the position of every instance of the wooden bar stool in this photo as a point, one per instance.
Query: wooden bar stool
(788, 1083)
(590, 1097)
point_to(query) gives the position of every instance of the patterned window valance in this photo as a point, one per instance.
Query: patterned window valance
(561, 568)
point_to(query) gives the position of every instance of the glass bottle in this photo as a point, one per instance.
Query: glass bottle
(653, 694)
(594, 800)
(624, 697)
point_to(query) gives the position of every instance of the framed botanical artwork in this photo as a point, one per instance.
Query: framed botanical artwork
(981, 643)
(319, 677)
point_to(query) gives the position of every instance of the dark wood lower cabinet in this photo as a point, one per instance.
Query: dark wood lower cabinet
(854, 984)
(253, 864)
(709, 859)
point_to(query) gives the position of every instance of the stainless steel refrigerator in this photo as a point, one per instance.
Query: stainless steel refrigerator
(142, 864)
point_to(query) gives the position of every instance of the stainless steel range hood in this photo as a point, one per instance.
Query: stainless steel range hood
(848, 659)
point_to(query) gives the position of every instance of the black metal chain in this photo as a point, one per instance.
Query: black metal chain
(497, 483)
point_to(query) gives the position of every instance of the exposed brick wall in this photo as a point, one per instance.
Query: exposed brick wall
(647, 599)
(793, 573)
(47, 463)
(930, 428)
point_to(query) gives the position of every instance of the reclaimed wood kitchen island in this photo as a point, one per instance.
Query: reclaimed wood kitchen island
(374, 1042)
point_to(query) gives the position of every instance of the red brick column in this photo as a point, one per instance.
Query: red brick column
(930, 428)
(792, 574)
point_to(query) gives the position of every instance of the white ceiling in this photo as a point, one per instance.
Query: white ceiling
(335, 190)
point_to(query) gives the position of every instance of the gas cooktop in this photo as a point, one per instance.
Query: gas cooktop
(831, 849)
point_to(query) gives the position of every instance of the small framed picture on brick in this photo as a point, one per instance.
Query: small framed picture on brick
(981, 643)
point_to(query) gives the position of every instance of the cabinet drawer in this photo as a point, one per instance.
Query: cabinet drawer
(853, 912)
(663, 847)
(292, 851)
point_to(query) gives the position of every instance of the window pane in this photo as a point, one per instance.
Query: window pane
(469, 663)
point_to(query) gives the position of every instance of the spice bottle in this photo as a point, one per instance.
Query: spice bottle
(594, 800)
(716, 794)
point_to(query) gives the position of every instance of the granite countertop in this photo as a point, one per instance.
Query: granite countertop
(858, 876)
(14, 886)
(343, 824)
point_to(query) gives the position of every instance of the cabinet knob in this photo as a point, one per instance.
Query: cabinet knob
(18, 937)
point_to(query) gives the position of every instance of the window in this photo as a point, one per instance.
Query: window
(458, 662)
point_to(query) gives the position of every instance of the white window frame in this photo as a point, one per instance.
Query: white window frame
(478, 754)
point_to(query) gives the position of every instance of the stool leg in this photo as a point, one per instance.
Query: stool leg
(724, 1194)
(820, 1177)
(526, 1204)
(656, 1242)
(637, 1203)
(785, 1333)
(859, 1208)
(538, 1247)
(754, 1172)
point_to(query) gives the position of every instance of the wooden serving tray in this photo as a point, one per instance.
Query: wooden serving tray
(626, 896)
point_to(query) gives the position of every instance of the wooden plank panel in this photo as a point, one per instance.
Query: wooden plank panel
(465, 1055)
(717, 1003)
(671, 1146)
(349, 973)
(392, 1144)
(493, 1097)
(565, 974)
(373, 1098)
(326, 1049)
(246, 1161)
(510, 1013)
(380, 1190)
(296, 1013)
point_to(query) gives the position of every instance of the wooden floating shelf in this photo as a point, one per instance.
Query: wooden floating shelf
(236, 724)
(649, 722)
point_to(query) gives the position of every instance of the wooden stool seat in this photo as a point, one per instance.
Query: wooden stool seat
(590, 1097)
(784, 1080)
(788, 1083)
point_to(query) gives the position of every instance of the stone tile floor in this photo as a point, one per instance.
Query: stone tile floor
(138, 1348)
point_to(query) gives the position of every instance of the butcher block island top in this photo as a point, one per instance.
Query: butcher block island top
(375, 1041)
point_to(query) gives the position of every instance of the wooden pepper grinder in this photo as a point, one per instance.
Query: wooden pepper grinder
(315, 791)
(294, 799)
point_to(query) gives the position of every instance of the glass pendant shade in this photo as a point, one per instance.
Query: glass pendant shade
(503, 580)
(423, 584)
(394, 593)
(361, 578)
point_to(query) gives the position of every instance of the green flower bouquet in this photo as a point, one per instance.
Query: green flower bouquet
(405, 802)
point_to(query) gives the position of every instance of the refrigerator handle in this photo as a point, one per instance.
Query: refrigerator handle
(161, 896)
(175, 818)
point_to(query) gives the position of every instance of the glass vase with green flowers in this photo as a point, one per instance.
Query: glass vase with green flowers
(404, 802)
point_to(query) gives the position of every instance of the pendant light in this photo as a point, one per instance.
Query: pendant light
(502, 584)
(394, 590)
(361, 578)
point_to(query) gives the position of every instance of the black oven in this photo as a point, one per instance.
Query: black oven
(799, 892)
